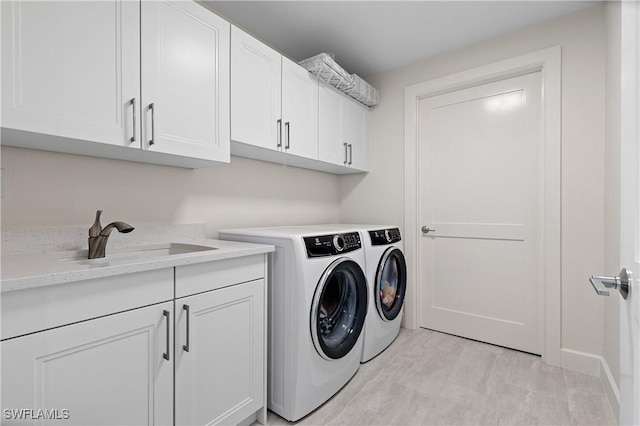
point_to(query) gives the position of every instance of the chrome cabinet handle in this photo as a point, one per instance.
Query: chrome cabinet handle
(286, 132)
(279, 123)
(426, 230)
(186, 346)
(133, 134)
(168, 315)
(350, 154)
(153, 132)
(601, 284)
(346, 155)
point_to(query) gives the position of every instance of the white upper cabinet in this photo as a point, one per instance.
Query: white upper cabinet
(256, 92)
(185, 80)
(72, 69)
(331, 147)
(280, 113)
(299, 110)
(356, 134)
(274, 101)
(147, 75)
(343, 130)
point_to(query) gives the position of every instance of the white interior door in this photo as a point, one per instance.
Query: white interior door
(630, 215)
(480, 177)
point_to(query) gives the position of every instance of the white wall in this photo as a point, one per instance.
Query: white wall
(582, 37)
(45, 189)
(611, 352)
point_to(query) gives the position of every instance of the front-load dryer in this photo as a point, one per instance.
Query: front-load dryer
(386, 272)
(316, 312)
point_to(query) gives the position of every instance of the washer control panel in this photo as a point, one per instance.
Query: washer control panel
(332, 245)
(381, 237)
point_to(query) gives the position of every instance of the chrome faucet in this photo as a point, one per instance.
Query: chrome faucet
(98, 236)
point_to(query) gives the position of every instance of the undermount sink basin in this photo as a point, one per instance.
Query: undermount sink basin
(132, 254)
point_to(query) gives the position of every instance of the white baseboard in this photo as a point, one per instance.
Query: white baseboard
(582, 362)
(594, 365)
(610, 388)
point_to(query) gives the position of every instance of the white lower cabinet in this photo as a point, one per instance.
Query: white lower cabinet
(113, 370)
(107, 351)
(219, 355)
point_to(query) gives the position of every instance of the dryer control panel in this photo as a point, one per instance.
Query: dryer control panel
(332, 245)
(381, 237)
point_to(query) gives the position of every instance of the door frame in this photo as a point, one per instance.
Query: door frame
(548, 62)
(628, 389)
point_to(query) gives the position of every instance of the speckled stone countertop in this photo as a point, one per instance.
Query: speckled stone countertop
(23, 270)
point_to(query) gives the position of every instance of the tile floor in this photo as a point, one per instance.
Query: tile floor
(431, 378)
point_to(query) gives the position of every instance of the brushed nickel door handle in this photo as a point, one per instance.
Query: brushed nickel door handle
(153, 124)
(167, 314)
(279, 129)
(602, 284)
(426, 230)
(186, 346)
(133, 134)
(346, 153)
(286, 135)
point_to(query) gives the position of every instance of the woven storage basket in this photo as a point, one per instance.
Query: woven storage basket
(362, 91)
(328, 71)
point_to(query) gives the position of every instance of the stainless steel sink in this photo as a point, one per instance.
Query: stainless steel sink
(133, 254)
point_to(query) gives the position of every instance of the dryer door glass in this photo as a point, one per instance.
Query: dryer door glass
(339, 308)
(391, 284)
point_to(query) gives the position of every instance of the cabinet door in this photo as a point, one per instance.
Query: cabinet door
(299, 110)
(185, 80)
(331, 146)
(106, 371)
(220, 379)
(255, 92)
(72, 69)
(356, 134)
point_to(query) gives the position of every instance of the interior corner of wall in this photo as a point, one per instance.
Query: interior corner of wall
(610, 387)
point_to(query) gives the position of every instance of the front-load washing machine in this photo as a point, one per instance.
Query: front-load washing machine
(386, 272)
(317, 307)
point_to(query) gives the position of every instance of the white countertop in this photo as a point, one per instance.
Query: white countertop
(23, 271)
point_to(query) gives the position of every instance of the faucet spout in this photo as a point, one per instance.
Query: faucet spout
(99, 236)
(123, 227)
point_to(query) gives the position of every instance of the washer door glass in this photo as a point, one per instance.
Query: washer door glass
(339, 308)
(391, 284)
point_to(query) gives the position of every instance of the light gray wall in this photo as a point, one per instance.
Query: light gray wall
(378, 197)
(612, 191)
(45, 189)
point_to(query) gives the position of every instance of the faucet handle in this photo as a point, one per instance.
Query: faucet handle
(96, 228)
